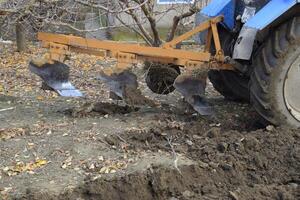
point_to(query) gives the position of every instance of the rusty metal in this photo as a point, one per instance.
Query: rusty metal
(61, 46)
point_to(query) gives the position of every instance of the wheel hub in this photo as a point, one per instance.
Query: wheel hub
(291, 89)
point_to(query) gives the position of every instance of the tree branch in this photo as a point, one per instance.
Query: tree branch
(176, 21)
(108, 10)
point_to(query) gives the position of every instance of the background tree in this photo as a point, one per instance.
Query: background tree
(69, 16)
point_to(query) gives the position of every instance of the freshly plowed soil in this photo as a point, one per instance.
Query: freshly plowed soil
(99, 108)
(96, 148)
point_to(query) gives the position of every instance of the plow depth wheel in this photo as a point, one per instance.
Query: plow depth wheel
(275, 80)
(160, 78)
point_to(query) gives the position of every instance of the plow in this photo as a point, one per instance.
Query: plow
(120, 79)
(250, 53)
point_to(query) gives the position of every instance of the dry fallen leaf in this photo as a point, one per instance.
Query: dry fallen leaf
(9, 133)
(20, 167)
(1, 88)
(101, 158)
(40, 98)
(67, 162)
(30, 144)
(113, 167)
(64, 166)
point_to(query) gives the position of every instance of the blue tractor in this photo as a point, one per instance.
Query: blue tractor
(263, 39)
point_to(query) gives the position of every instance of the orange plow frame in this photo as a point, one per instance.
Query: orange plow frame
(61, 46)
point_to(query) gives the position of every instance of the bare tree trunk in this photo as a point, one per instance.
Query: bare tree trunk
(21, 39)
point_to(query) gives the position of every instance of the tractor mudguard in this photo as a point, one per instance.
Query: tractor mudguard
(264, 17)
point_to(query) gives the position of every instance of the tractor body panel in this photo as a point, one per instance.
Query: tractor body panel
(269, 13)
(215, 8)
(230, 9)
(221, 7)
(263, 18)
(266, 12)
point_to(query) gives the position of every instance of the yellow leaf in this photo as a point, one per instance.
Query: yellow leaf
(40, 98)
(1, 88)
(40, 162)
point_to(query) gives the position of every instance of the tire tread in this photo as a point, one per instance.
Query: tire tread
(275, 48)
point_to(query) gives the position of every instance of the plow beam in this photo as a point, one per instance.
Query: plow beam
(61, 45)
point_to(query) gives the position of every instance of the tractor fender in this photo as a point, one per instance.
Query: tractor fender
(261, 20)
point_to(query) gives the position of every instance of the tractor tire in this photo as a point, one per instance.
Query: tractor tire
(231, 84)
(275, 80)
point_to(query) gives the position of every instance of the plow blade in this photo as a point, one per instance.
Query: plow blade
(118, 81)
(55, 75)
(123, 85)
(193, 90)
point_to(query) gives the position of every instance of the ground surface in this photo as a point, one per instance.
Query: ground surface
(49, 151)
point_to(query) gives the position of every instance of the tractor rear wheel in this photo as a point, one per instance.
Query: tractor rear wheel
(231, 84)
(275, 81)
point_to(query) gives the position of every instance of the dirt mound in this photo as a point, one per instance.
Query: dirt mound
(227, 176)
(264, 164)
